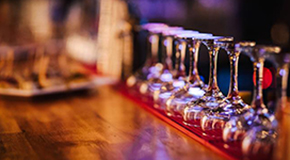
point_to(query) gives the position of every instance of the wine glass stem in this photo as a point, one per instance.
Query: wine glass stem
(257, 101)
(152, 55)
(169, 48)
(193, 68)
(233, 89)
(180, 52)
(213, 55)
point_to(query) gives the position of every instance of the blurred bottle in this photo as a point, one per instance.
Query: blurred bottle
(115, 46)
(35, 22)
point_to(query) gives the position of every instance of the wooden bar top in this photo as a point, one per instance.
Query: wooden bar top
(101, 124)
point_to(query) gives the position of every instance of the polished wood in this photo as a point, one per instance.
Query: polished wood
(282, 148)
(101, 124)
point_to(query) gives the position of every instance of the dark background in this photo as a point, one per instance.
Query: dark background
(266, 22)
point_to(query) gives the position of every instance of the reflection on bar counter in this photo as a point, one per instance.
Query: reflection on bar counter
(177, 91)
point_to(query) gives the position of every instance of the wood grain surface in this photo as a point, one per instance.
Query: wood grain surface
(101, 124)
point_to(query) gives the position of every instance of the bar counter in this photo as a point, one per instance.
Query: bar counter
(100, 124)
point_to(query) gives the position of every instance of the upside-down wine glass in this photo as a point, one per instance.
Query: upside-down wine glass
(154, 82)
(167, 74)
(178, 74)
(263, 138)
(237, 126)
(184, 44)
(281, 63)
(151, 66)
(193, 111)
(233, 105)
(194, 87)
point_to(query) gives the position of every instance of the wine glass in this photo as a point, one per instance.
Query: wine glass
(151, 67)
(153, 81)
(281, 63)
(195, 88)
(237, 126)
(259, 140)
(262, 139)
(233, 105)
(177, 79)
(184, 41)
(193, 111)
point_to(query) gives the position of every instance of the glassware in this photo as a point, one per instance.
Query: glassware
(237, 126)
(151, 67)
(178, 77)
(233, 105)
(262, 139)
(194, 87)
(184, 42)
(259, 141)
(193, 111)
(158, 74)
(281, 63)
(153, 83)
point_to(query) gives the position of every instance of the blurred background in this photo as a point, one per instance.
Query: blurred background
(101, 33)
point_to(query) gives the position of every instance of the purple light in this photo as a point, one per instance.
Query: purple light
(171, 30)
(180, 47)
(165, 42)
(151, 39)
(185, 32)
(195, 35)
(178, 84)
(166, 77)
(153, 25)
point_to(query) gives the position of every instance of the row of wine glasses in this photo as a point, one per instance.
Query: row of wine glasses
(188, 98)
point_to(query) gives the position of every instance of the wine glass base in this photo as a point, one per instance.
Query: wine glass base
(160, 100)
(175, 107)
(196, 110)
(178, 101)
